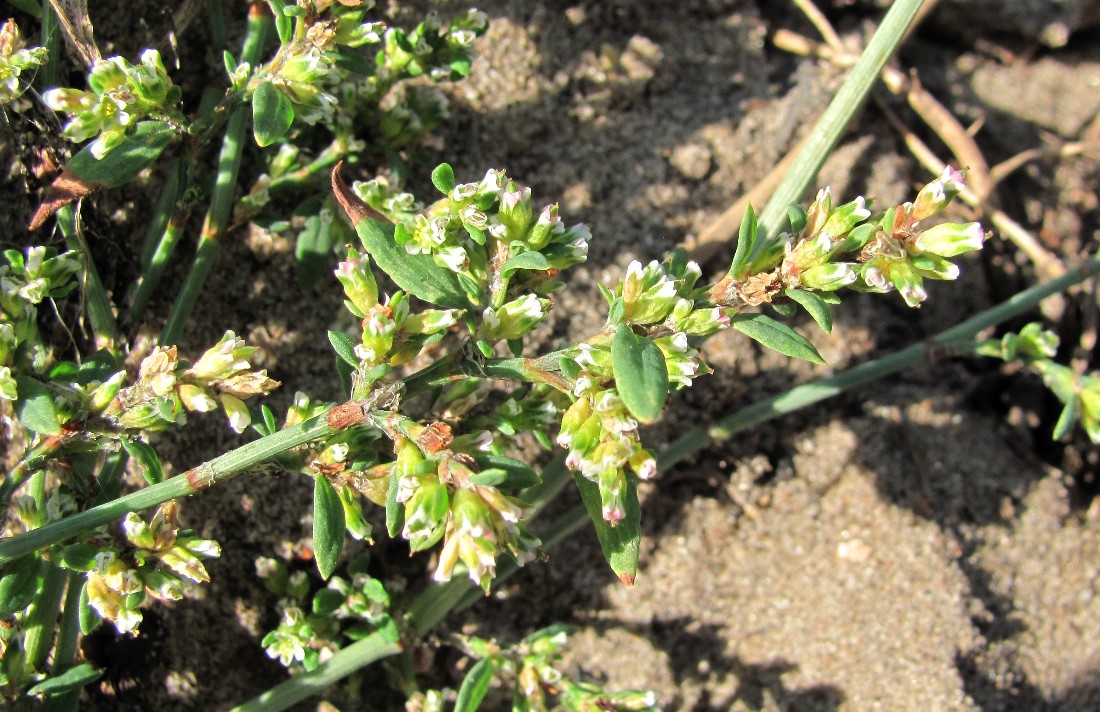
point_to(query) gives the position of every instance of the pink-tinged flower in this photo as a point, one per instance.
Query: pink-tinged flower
(950, 239)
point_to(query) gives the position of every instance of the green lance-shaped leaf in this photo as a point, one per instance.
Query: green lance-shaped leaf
(746, 242)
(152, 470)
(344, 347)
(395, 511)
(418, 275)
(776, 336)
(815, 305)
(18, 585)
(622, 542)
(122, 163)
(72, 679)
(1066, 420)
(510, 474)
(272, 114)
(34, 407)
(85, 174)
(313, 250)
(641, 375)
(475, 686)
(328, 526)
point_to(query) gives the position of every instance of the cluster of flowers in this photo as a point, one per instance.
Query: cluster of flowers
(391, 334)
(16, 58)
(345, 608)
(168, 388)
(119, 95)
(833, 247)
(311, 67)
(27, 279)
(157, 560)
(479, 231)
(661, 300)
(534, 665)
(445, 495)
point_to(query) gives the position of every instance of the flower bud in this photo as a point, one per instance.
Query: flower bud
(828, 277)
(196, 398)
(237, 411)
(844, 218)
(426, 513)
(936, 195)
(8, 387)
(229, 356)
(102, 395)
(358, 281)
(648, 294)
(818, 212)
(548, 222)
(950, 239)
(515, 211)
(514, 319)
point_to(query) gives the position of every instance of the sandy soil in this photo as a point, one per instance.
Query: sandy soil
(917, 545)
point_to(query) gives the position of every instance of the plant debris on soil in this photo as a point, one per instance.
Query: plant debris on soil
(917, 544)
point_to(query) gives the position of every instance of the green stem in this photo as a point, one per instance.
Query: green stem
(354, 657)
(51, 40)
(101, 314)
(221, 203)
(325, 160)
(215, 11)
(958, 336)
(840, 112)
(42, 619)
(68, 634)
(31, 461)
(169, 194)
(216, 470)
(158, 261)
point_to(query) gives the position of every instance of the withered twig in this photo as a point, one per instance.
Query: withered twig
(939, 119)
(1046, 263)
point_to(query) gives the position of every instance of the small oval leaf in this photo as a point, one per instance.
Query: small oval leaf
(776, 336)
(418, 275)
(328, 526)
(19, 585)
(525, 260)
(313, 250)
(79, 557)
(475, 686)
(34, 407)
(641, 375)
(272, 114)
(443, 178)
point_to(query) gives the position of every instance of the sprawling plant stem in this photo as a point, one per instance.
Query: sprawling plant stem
(221, 203)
